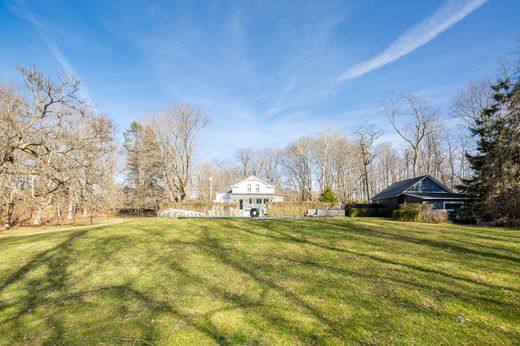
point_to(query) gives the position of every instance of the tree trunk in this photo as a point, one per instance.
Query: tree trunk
(415, 159)
(9, 217)
(59, 217)
(38, 217)
(367, 187)
(70, 211)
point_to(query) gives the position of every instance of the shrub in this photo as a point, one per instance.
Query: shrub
(371, 212)
(419, 212)
(434, 216)
(328, 196)
(413, 206)
(406, 215)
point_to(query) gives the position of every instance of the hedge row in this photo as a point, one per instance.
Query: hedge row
(370, 212)
(297, 208)
(419, 212)
(406, 212)
(206, 207)
(406, 215)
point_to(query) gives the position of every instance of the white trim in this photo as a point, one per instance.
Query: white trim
(255, 178)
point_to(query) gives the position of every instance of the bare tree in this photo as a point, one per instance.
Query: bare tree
(177, 130)
(345, 169)
(46, 134)
(269, 165)
(325, 147)
(244, 157)
(33, 124)
(366, 136)
(298, 162)
(390, 166)
(415, 131)
(469, 102)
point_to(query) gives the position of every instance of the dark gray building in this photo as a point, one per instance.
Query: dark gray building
(423, 189)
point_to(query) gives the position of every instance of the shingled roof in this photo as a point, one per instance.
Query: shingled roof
(399, 187)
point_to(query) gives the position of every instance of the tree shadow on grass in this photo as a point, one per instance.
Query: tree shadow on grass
(443, 245)
(241, 262)
(450, 280)
(51, 292)
(297, 239)
(463, 293)
(217, 252)
(56, 260)
(457, 236)
(214, 248)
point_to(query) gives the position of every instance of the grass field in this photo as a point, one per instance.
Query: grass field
(192, 282)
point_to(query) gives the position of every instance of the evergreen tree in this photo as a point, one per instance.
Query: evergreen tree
(152, 174)
(496, 161)
(328, 195)
(144, 176)
(132, 146)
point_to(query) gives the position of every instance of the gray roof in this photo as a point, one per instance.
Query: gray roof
(398, 188)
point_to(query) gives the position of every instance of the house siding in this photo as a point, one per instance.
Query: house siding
(250, 193)
(401, 199)
(411, 199)
(389, 202)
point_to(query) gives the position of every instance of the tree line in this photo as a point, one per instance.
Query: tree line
(59, 157)
(56, 154)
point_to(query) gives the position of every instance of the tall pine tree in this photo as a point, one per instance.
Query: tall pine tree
(144, 178)
(495, 163)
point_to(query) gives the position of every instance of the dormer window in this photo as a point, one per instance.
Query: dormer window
(248, 187)
(257, 188)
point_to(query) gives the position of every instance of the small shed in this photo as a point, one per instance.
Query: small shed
(423, 189)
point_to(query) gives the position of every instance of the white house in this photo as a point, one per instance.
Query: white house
(250, 193)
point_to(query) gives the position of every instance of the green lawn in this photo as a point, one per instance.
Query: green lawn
(222, 281)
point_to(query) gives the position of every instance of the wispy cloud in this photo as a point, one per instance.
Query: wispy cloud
(23, 11)
(447, 15)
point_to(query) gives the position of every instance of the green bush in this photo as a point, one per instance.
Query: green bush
(371, 212)
(422, 212)
(406, 215)
(465, 216)
(414, 206)
(328, 196)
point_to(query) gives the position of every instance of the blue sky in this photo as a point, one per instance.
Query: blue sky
(266, 72)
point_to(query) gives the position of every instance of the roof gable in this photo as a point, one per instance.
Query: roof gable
(429, 184)
(251, 179)
(413, 184)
